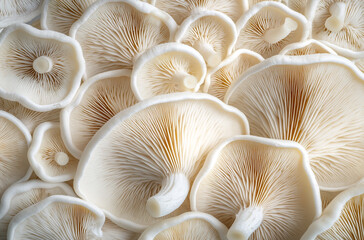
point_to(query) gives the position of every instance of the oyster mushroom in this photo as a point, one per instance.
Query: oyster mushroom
(112, 33)
(148, 156)
(259, 188)
(220, 78)
(167, 68)
(190, 225)
(22, 195)
(310, 46)
(48, 156)
(268, 27)
(18, 11)
(98, 100)
(316, 100)
(41, 69)
(209, 32)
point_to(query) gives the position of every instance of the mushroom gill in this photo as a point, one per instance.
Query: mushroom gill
(18, 11)
(310, 46)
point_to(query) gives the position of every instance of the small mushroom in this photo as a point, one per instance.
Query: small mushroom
(98, 99)
(190, 225)
(112, 33)
(41, 69)
(268, 27)
(48, 156)
(259, 188)
(316, 100)
(148, 155)
(18, 11)
(210, 32)
(167, 68)
(220, 78)
(310, 46)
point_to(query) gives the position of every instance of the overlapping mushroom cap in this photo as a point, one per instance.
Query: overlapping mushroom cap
(259, 188)
(18, 11)
(316, 100)
(41, 69)
(310, 46)
(142, 161)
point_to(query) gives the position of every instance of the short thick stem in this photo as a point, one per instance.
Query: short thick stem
(246, 222)
(61, 158)
(211, 57)
(185, 81)
(43, 64)
(336, 22)
(275, 35)
(173, 193)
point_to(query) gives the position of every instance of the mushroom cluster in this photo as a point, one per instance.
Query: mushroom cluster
(183, 119)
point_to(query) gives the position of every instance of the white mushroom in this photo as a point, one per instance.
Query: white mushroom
(268, 27)
(259, 188)
(48, 156)
(316, 100)
(41, 69)
(210, 32)
(167, 68)
(113, 32)
(148, 155)
(190, 225)
(310, 46)
(98, 100)
(17, 11)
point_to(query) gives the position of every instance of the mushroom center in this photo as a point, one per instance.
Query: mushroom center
(211, 57)
(61, 158)
(43, 64)
(336, 22)
(275, 35)
(184, 81)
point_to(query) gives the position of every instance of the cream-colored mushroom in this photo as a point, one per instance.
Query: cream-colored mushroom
(22, 195)
(98, 100)
(41, 69)
(48, 156)
(268, 27)
(310, 46)
(112, 33)
(148, 155)
(210, 32)
(316, 100)
(167, 68)
(18, 11)
(220, 78)
(190, 225)
(260, 188)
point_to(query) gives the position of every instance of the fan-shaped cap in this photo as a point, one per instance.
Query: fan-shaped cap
(49, 157)
(268, 27)
(113, 32)
(316, 100)
(98, 99)
(18, 11)
(211, 33)
(41, 69)
(167, 68)
(190, 225)
(148, 155)
(220, 78)
(310, 46)
(22, 195)
(342, 218)
(260, 188)
(14, 141)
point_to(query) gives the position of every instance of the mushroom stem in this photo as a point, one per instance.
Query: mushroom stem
(43, 64)
(275, 35)
(173, 193)
(246, 222)
(336, 22)
(61, 158)
(211, 57)
(185, 81)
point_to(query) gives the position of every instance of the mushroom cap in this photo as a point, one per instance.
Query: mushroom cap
(269, 16)
(342, 218)
(167, 68)
(211, 33)
(113, 32)
(220, 78)
(48, 156)
(310, 46)
(41, 69)
(271, 176)
(18, 11)
(316, 100)
(14, 141)
(97, 100)
(189, 225)
(136, 151)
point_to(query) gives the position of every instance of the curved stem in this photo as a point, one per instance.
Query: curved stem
(336, 22)
(275, 35)
(184, 81)
(61, 158)
(43, 64)
(246, 222)
(173, 193)
(211, 57)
